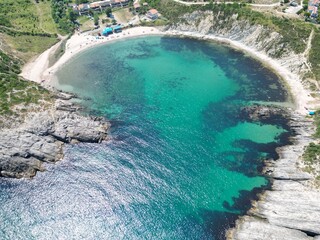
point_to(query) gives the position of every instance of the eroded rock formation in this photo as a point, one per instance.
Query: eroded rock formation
(41, 137)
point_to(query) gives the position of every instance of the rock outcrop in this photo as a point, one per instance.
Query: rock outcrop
(41, 137)
(291, 209)
(262, 113)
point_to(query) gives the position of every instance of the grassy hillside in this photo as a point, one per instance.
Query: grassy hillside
(311, 155)
(26, 30)
(47, 23)
(26, 27)
(314, 56)
(17, 95)
(294, 32)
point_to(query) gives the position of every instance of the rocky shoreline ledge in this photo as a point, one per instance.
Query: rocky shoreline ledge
(42, 135)
(291, 209)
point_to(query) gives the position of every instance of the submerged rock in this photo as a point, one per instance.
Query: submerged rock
(41, 138)
(262, 113)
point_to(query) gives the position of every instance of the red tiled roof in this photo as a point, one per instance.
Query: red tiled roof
(153, 11)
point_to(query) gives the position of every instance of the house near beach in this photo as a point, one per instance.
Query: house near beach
(152, 14)
(100, 5)
(83, 8)
(313, 8)
(136, 6)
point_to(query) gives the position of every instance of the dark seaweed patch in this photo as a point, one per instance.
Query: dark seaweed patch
(216, 223)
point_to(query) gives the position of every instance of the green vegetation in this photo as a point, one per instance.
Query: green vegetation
(20, 14)
(153, 3)
(29, 46)
(312, 154)
(47, 23)
(96, 19)
(26, 32)
(81, 1)
(172, 10)
(63, 16)
(314, 58)
(294, 32)
(15, 92)
(108, 11)
(157, 22)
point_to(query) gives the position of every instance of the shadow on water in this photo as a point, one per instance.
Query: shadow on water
(216, 223)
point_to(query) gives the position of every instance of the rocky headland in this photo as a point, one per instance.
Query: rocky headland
(291, 209)
(41, 136)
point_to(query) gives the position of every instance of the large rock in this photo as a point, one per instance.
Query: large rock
(251, 228)
(290, 205)
(41, 137)
(291, 209)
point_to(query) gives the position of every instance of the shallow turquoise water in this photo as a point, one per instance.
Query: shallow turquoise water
(182, 160)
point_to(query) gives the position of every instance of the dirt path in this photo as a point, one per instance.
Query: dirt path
(40, 14)
(307, 50)
(309, 44)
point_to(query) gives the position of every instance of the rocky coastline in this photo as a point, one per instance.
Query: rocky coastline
(40, 138)
(291, 209)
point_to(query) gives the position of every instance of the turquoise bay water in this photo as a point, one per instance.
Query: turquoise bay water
(183, 159)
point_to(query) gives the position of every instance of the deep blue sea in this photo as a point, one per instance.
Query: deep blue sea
(182, 161)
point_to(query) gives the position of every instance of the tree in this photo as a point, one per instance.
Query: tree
(91, 13)
(108, 11)
(96, 19)
(81, 1)
(72, 15)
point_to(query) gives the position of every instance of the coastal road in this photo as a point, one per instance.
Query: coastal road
(205, 3)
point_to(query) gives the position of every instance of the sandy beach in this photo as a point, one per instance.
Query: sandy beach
(39, 71)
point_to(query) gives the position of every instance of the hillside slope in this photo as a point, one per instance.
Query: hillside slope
(24, 33)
